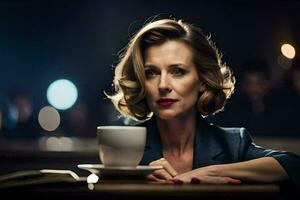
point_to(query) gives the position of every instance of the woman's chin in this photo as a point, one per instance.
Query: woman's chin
(173, 114)
(167, 115)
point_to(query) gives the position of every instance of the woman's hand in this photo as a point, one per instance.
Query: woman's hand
(163, 175)
(262, 170)
(206, 175)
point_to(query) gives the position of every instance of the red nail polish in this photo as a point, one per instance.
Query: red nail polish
(195, 181)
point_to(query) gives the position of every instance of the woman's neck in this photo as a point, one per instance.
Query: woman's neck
(177, 134)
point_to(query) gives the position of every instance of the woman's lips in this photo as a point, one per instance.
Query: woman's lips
(166, 102)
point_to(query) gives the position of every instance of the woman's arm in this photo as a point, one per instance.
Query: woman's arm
(266, 170)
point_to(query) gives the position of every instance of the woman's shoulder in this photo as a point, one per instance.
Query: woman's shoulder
(233, 141)
(240, 131)
(229, 132)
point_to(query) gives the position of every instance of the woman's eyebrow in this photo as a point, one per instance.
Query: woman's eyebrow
(150, 66)
(177, 65)
(170, 66)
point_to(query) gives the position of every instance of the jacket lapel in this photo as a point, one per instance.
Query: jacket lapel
(153, 148)
(207, 147)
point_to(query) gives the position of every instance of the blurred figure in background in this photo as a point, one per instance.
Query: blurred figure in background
(287, 101)
(24, 106)
(27, 123)
(79, 124)
(255, 103)
(255, 86)
(17, 118)
(251, 105)
(8, 116)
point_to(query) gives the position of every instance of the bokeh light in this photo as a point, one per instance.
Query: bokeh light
(92, 178)
(49, 118)
(10, 117)
(59, 144)
(62, 143)
(288, 51)
(62, 94)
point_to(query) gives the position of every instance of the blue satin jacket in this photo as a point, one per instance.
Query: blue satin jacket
(216, 145)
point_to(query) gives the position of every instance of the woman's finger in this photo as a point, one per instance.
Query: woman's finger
(214, 180)
(234, 181)
(162, 174)
(166, 165)
(152, 179)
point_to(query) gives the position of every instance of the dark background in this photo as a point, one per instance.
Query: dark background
(42, 41)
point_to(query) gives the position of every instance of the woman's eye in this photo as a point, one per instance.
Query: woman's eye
(150, 73)
(178, 71)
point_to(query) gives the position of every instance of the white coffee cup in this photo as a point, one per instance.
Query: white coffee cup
(121, 145)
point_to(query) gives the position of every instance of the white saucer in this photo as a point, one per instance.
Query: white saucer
(141, 170)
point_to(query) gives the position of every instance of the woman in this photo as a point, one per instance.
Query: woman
(171, 75)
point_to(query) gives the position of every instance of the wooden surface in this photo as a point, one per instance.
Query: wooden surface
(143, 190)
(243, 191)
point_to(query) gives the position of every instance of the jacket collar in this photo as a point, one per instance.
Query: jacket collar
(153, 148)
(207, 146)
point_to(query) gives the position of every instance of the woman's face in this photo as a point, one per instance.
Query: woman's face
(172, 83)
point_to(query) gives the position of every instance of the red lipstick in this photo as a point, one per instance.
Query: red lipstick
(166, 102)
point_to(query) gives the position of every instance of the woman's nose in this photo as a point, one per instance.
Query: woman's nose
(163, 84)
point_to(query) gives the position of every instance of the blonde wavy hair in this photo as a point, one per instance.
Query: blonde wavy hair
(129, 80)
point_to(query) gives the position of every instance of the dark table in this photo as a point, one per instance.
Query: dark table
(37, 186)
(54, 187)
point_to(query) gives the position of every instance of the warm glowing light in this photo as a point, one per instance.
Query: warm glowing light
(49, 118)
(52, 143)
(66, 144)
(288, 51)
(62, 94)
(59, 144)
(91, 186)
